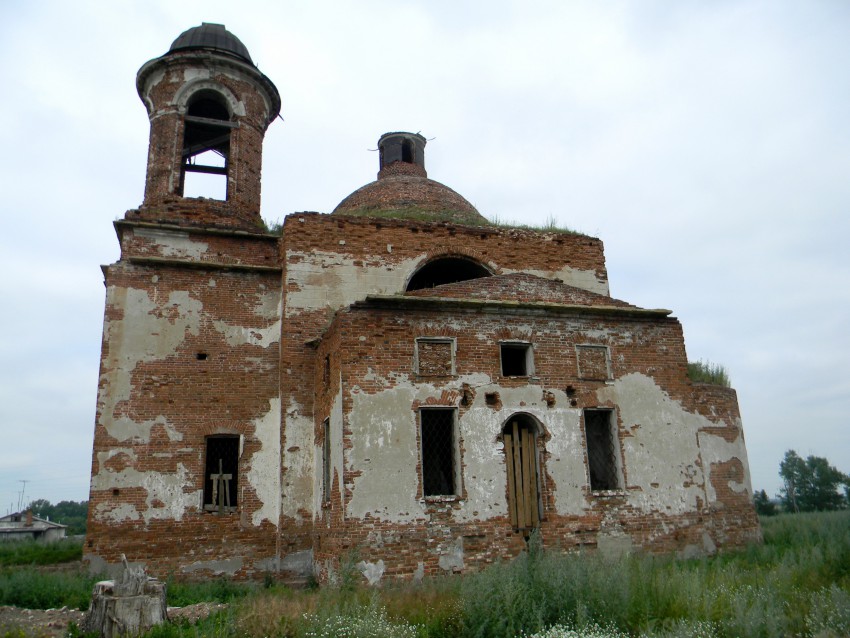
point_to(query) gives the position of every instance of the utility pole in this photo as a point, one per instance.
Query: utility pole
(21, 495)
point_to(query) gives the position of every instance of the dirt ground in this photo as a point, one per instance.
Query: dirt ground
(53, 623)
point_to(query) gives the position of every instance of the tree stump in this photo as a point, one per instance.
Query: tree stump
(127, 606)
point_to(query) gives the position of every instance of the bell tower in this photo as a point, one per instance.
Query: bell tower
(209, 108)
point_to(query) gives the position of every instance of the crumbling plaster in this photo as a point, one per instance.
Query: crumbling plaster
(165, 495)
(173, 244)
(335, 422)
(296, 494)
(322, 279)
(585, 279)
(667, 453)
(130, 343)
(263, 475)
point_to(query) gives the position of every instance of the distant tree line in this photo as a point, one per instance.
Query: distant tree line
(68, 513)
(808, 485)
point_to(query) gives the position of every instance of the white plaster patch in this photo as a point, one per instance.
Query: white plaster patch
(451, 556)
(387, 485)
(151, 329)
(585, 279)
(227, 566)
(662, 455)
(173, 243)
(165, 490)
(297, 481)
(240, 335)
(323, 279)
(120, 513)
(716, 449)
(264, 473)
(371, 571)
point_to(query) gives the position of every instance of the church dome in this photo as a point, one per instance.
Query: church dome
(403, 190)
(211, 36)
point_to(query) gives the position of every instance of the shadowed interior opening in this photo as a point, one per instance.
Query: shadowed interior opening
(447, 270)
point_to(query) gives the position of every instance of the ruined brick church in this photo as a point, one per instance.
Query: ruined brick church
(398, 380)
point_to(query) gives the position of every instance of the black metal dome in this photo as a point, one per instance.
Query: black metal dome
(211, 36)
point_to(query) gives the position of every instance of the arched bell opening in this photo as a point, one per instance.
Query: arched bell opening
(205, 156)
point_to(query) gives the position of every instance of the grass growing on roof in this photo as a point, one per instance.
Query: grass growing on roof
(707, 372)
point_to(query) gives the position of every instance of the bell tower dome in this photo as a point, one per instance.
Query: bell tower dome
(209, 108)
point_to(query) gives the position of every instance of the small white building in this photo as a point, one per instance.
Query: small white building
(22, 526)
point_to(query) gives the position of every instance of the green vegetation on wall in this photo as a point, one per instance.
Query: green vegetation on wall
(707, 372)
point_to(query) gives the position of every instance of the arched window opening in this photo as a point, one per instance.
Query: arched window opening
(407, 151)
(206, 147)
(521, 464)
(447, 270)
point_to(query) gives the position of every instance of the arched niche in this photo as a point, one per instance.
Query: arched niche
(447, 270)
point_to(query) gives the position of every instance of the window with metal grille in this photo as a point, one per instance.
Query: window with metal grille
(326, 460)
(602, 450)
(439, 452)
(221, 473)
(517, 359)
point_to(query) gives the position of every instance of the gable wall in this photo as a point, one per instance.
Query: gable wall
(686, 487)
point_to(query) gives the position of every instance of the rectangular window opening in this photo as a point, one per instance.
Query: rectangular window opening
(517, 359)
(326, 461)
(221, 477)
(439, 452)
(602, 450)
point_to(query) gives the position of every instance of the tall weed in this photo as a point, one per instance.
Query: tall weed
(33, 589)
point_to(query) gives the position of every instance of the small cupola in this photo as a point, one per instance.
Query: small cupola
(402, 154)
(209, 107)
(403, 190)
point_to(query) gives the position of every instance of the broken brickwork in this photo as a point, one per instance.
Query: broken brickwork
(398, 379)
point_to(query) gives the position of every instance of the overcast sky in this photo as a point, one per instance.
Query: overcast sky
(706, 143)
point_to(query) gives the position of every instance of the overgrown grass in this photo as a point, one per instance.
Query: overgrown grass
(707, 372)
(220, 590)
(797, 583)
(551, 225)
(38, 553)
(33, 588)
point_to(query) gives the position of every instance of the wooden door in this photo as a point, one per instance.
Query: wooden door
(521, 464)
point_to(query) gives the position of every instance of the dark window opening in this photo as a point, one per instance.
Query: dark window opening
(326, 461)
(407, 151)
(206, 147)
(517, 359)
(447, 270)
(520, 440)
(201, 356)
(221, 474)
(438, 452)
(326, 371)
(602, 450)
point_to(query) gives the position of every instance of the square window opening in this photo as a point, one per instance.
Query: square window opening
(517, 359)
(221, 474)
(439, 452)
(602, 450)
